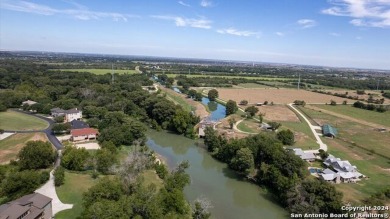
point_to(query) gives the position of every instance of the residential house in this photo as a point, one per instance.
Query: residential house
(307, 156)
(78, 124)
(69, 115)
(341, 169)
(329, 131)
(32, 206)
(84, 134)
(28, 102)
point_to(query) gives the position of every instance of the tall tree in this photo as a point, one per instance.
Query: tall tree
(36, 155)
(231, 107)
(212, 94)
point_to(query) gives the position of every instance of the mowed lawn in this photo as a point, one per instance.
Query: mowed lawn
(356, 143)
(101, 71)
(72, 193)
(10, 146)
(15, 121)
(367, 115)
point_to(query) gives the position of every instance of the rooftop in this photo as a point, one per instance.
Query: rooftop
(84, 131)
(329, 130)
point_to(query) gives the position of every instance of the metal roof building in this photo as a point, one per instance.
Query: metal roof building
(329, 131)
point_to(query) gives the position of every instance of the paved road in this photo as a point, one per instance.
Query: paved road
(48, 131)
(313, 128)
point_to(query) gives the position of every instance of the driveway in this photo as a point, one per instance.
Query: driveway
(49, 190)
(313, 128)
(48, 131)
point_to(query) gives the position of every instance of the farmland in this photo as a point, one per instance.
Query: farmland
(278, 96)
(360, 114)
(11, 120)
(102, 71)
(260, 78)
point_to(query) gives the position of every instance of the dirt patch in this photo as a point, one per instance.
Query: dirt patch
(278, 113)
(278, 96)
(39, 137)
(200, 108)
(223, 128)
(88, 146)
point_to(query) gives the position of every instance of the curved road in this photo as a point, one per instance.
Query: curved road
(48, 131)
(313, 128)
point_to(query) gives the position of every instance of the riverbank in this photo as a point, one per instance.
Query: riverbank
(200, 109)
(231, 195)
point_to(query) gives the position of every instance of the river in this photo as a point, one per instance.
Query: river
(231, 196)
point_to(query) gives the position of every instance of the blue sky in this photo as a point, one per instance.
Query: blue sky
(345, 33)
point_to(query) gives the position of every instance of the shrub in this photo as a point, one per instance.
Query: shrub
(59, 176)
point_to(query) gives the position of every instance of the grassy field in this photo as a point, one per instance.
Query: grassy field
(232, 76)
(180, 101)
(363, 147)
(71, 193)
(11, 120)
(101, 71)
(253, 85)
(10, 147)
(249, 125)
(151, 177)
(370, 116)
(376, 168)
(358, 134)
(304, 138)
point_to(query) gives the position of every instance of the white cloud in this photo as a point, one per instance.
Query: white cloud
(206, 3)
(186, 22)
(307, 23)
(233, 31)
(184, 4)
(358, 38)
(80, 12)
(334, 34)
(370, 13)
(280, 34)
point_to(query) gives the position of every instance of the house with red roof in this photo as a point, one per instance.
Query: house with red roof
(84, 134)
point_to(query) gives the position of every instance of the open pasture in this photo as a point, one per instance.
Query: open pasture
(278, 96)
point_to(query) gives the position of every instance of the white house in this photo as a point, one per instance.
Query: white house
(69, 115)
(304, 155)
(340, 171)
(29, 102)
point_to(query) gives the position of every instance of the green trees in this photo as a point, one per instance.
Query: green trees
(231, 121)
(286, 137)
(59, 176)
(59, 119)
(22, 183)
(212, 94)
(242, 161)
(333, 103)
(104, 160)
(252, 110)
(231, 107)
(261, 117)
(61, 128)
(74, 158)
(243, 102)
(198, 96)
(274, 125)
(36, 155)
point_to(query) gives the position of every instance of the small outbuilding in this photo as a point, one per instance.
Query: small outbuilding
(329, 131)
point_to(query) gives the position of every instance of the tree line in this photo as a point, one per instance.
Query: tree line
(262, 158)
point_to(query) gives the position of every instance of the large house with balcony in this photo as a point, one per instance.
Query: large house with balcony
(340, 171)
(69, 115)
(32, 206)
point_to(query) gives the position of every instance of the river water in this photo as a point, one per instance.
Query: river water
(230, 195)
